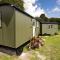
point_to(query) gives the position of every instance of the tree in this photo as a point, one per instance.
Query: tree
(54, 20)
(44, 18)
(18, 3)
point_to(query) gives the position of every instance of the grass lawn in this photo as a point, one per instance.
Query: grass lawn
(7, 57)
(51, 50)
(52, 47)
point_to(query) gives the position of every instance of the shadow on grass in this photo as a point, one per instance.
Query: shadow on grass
(10, 51)
(13, 51)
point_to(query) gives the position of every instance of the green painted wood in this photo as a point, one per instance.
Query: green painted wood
(0, 29)
(7, 26)
(16, 27)
(23, 28)
(46, 29)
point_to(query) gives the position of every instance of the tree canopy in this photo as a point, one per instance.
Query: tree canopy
(54, 20)
(44, 18)
(18, 3)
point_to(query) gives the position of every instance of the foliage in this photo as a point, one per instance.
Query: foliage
(54, 20)
(43, 17)
(18, 3)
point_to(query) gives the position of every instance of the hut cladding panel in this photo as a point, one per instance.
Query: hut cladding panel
(23, 28)
(0, 19)
(16, 26)
(7, 29)
(0, 29)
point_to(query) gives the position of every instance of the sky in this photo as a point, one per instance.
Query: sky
(51, 8)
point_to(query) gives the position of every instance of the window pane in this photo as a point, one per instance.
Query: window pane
(51, 26)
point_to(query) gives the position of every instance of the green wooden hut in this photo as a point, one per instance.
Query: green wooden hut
(48, 28)
(15, 26)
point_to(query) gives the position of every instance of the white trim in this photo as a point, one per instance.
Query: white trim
(34, 31)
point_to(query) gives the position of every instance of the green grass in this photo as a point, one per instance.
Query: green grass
(52, 47)
(2, 57)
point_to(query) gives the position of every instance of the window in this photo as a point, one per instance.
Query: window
(50, 26)
(0, 19)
